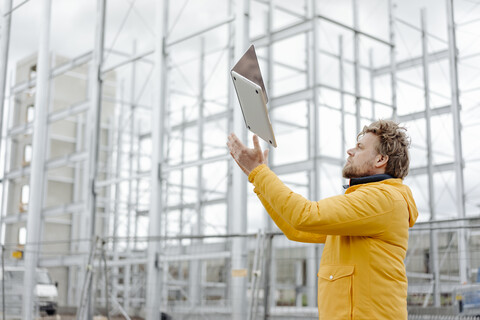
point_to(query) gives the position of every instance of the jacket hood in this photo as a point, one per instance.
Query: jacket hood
(407, 195)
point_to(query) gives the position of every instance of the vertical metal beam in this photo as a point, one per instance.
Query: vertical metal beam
(94, 117)
(238, 195)
(182, 178)
(356, 65)
(154, 284)
(200, 122)
(372, 82)
(37, 173)
(109, 174)
(431, 187)
(393, 63)
(341, 65)
(137, 186)
(267, 264)
(269, 78)
(312, 53)
(4, 48)
(6, 182)
(194, 276)
(298, 283)
(313, 111)
(92, 136)
(116, 205)
(73, 283)
(130, 209)
(457, 140)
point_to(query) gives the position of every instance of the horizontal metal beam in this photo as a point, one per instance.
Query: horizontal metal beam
(198, 256)
(283, 9)
(62, 261)
(450, 166)
(307, 94)
(53, 211)
(410, 63)
(195, 204)
(71, 110)
(207, 119)
(306, 165)
(25, 128)
(301, 95)
(127, 61)
(54, 163)
(283, 33)
(104, 183)
(65, 160)
(355, 30)
(197, 33)
(58, 70)
(422, 115)
(185, 165)
(128, 103)
(63, 208)
(408, 24)
(15, 217)
(64, 222)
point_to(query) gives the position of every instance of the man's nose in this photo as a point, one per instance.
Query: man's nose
(350, 152)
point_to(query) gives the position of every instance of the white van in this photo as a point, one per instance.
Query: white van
(45, 292)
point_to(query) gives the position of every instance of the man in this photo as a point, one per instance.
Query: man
(365, 230)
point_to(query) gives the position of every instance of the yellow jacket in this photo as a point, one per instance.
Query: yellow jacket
(365, 231)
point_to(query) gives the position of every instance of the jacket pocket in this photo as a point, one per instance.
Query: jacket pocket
(335, 292)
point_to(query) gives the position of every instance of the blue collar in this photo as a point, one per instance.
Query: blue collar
(368, 179)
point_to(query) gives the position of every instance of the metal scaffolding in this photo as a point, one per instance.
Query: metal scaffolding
(133, 202)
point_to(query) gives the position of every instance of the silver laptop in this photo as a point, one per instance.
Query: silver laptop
(252, 96)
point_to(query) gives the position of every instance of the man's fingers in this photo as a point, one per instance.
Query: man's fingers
(235, 142)
(265, 154)
(256, 144)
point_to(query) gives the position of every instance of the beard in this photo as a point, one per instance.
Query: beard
(350, 171)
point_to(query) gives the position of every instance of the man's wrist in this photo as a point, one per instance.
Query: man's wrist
(253, 173)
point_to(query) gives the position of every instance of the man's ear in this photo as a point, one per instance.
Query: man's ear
(381, 160)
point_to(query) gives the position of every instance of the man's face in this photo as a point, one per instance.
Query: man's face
(361, 160)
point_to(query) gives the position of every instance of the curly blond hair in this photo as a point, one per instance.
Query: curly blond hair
(394, 143)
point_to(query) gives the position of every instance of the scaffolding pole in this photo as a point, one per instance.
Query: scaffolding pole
(37, 175)
(313, 74)
(4, 48)
(196, 266)
(393, 61)
(118, 172)
(238, 195)
(457, 141)
(92, 139)
(269, 81)
(356, 66)
(431, 187)
(156, 213)
(130, 209)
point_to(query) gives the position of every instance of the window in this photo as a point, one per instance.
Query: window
(30, 113)
(24, 197)
(33, 72)
(27, 154)
(22, 236)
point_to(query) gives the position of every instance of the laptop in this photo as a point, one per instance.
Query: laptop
(248, 82)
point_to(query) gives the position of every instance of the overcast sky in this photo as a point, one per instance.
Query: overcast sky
(73, 29)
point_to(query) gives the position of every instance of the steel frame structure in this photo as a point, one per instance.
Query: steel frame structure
(98, 207)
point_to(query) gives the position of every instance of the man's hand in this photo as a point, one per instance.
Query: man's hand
(247, 159)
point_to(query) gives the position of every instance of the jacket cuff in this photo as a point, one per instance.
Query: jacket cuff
(253, 173)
